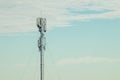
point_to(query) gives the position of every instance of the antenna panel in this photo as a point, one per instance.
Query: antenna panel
(41, 23)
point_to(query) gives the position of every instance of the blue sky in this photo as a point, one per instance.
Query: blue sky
(82, 39)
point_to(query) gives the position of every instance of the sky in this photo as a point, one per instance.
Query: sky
(82, 39)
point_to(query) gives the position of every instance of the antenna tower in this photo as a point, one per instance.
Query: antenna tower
(41, 24)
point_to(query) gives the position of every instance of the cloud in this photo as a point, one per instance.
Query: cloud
(87, 60)
(20, 65)
(20, 15)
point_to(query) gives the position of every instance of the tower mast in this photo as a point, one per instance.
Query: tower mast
(41, 24)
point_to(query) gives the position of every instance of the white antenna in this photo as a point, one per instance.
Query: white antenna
(41, 24)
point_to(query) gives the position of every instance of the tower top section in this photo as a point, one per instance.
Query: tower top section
(41, 24)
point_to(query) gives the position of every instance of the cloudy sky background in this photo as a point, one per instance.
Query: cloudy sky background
(82, 39)
(20, 16)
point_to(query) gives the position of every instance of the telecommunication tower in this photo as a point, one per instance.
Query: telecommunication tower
(41, 24)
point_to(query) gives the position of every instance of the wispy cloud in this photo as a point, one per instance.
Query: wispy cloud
(87, 60)
(20, 15)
